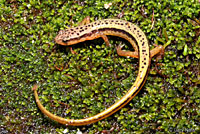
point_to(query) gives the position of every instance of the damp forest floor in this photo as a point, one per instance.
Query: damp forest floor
(83, 84)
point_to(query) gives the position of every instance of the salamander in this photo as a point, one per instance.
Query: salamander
(102, 28)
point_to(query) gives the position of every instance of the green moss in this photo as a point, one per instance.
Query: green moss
(94, 78)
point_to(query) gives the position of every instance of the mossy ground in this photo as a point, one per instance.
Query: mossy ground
(96, 77)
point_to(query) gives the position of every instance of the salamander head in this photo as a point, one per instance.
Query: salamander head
(67, 37)
(62, 37)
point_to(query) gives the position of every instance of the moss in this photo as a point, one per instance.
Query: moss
(96, 76)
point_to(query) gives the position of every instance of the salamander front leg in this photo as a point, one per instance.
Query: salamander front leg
(105, 38)
(72, 51)
(85, 21)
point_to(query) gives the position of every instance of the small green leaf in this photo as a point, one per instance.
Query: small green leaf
(185, 51)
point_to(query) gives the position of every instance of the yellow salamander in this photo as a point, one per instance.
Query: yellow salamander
(102, 28)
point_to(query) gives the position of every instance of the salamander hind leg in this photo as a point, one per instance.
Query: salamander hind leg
(159, 51)
(121, 52)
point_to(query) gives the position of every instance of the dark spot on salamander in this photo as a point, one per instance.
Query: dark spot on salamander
(142, 43)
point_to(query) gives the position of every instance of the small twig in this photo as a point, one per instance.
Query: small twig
(35, 86)
(165, 33)
(197, 21)
(60, 69)
(152, 19)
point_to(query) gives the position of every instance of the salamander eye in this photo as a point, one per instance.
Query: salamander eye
(65, 39)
